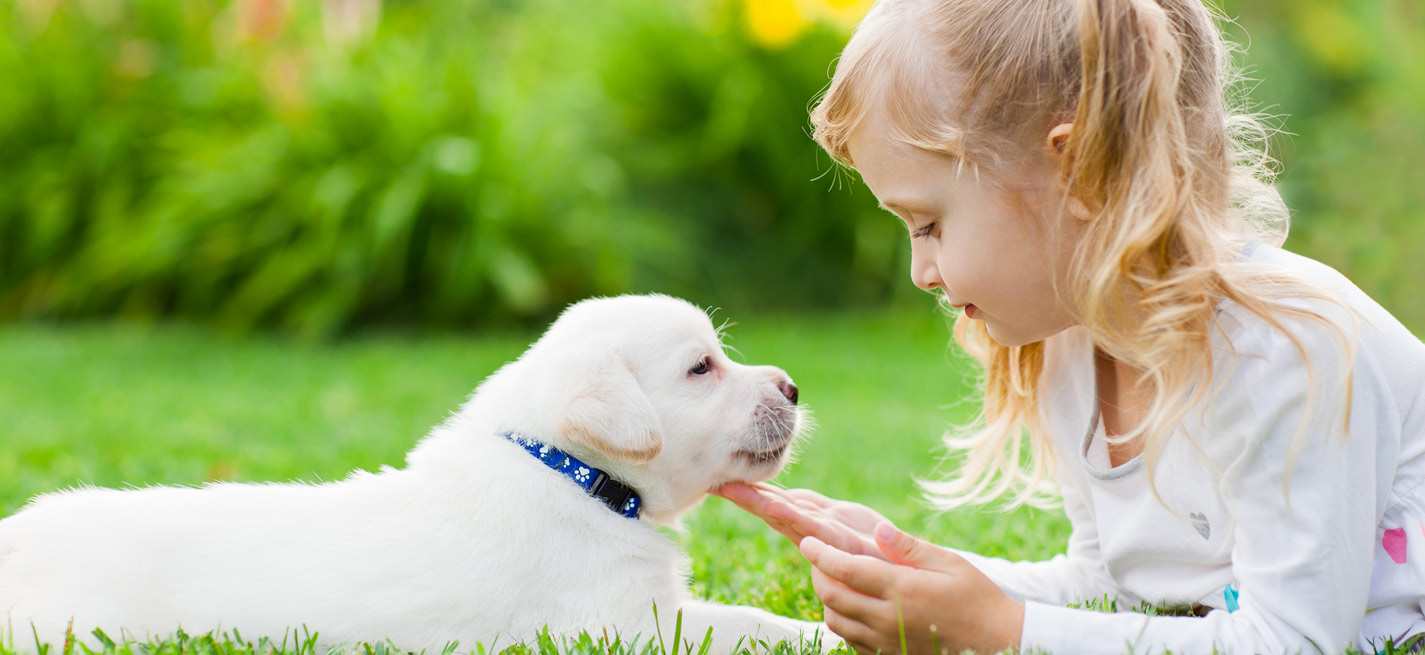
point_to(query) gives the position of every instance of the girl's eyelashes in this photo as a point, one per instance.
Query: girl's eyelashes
(927, 231)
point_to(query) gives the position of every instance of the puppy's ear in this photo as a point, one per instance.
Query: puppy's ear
(607, 411)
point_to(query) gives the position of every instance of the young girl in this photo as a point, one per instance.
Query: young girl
(1237, 432)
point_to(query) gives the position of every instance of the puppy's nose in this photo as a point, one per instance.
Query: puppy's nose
(789, 390)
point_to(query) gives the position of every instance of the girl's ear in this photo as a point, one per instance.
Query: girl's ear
(1054, 144)
(1058, 138)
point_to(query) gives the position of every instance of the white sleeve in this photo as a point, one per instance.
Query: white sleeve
(1303, 567)
(1078, 575)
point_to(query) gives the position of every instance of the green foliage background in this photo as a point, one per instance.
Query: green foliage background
(1348, 78)
(470, 162)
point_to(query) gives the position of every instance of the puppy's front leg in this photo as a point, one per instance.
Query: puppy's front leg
(731, 624)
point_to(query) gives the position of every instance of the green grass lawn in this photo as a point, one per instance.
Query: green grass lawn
(118, 405)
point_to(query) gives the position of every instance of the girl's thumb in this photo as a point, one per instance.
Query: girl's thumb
(903, 548)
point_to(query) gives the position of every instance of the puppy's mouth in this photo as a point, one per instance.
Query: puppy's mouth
(765, 457)
(774, 428)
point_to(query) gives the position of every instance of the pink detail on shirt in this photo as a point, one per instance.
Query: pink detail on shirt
(1394, 543)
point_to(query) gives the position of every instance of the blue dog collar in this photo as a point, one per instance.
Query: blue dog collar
(619, 497)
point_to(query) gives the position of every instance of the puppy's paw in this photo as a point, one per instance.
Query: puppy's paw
(818, 633)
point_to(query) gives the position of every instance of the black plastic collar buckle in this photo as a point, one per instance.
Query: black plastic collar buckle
(615, 494)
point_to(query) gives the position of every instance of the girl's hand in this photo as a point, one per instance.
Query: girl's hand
(925, 599)
(801, 513)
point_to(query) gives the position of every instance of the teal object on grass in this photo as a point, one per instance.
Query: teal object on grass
(1230, 595)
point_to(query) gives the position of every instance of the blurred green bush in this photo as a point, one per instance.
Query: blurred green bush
(316, 167)
(1348, 79)
(454, 163)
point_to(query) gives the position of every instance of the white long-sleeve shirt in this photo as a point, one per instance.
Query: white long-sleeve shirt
(1335, 555)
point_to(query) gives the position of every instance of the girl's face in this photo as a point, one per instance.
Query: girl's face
(999, 250)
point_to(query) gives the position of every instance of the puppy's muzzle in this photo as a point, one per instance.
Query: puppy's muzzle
(775, 424)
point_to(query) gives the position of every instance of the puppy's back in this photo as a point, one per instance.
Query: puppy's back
(204, 558)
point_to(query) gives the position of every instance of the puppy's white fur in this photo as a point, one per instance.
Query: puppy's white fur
(474, 538)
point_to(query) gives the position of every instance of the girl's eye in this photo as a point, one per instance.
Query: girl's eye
(927, 231)
(702, 368)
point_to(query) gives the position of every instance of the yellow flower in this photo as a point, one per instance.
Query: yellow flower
(842, 13)
(778, 23)
(773, 23)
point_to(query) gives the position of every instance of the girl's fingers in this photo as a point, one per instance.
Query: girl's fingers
(851, 541)
(753, 500)
(857, 635)
(829, 530)
(802, 523)
(805, 504)
(798, 517)
(838, 537)
(781, 509)
(868, 575)
(853, 514)
(858, 515)
(744, 496)
(844, 601)
(809, 496)
(811, 524)
(795, 513)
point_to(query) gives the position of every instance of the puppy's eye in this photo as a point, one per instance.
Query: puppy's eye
(702, 368)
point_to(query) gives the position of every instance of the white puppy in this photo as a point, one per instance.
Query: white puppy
(488, 531)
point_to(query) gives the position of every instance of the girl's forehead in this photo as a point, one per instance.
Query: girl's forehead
(877, 143)
(905, 179)
(887, 127)
(890, 73)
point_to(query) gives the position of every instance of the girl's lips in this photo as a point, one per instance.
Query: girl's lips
(970, 311)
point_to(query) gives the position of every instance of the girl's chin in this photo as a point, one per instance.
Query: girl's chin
(1013, 338)
(1008, 338)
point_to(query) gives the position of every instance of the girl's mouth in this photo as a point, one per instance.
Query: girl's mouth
(970, 311)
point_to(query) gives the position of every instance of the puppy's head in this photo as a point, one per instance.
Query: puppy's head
(640, 387)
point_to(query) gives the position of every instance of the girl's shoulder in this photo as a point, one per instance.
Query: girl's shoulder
(1286, 383)
(1325, 312)
(1343, 356)
(1258, 362)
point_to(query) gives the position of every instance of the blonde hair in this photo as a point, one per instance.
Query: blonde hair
(1171, 178)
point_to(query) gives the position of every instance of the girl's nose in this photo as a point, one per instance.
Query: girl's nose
(923, 270)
